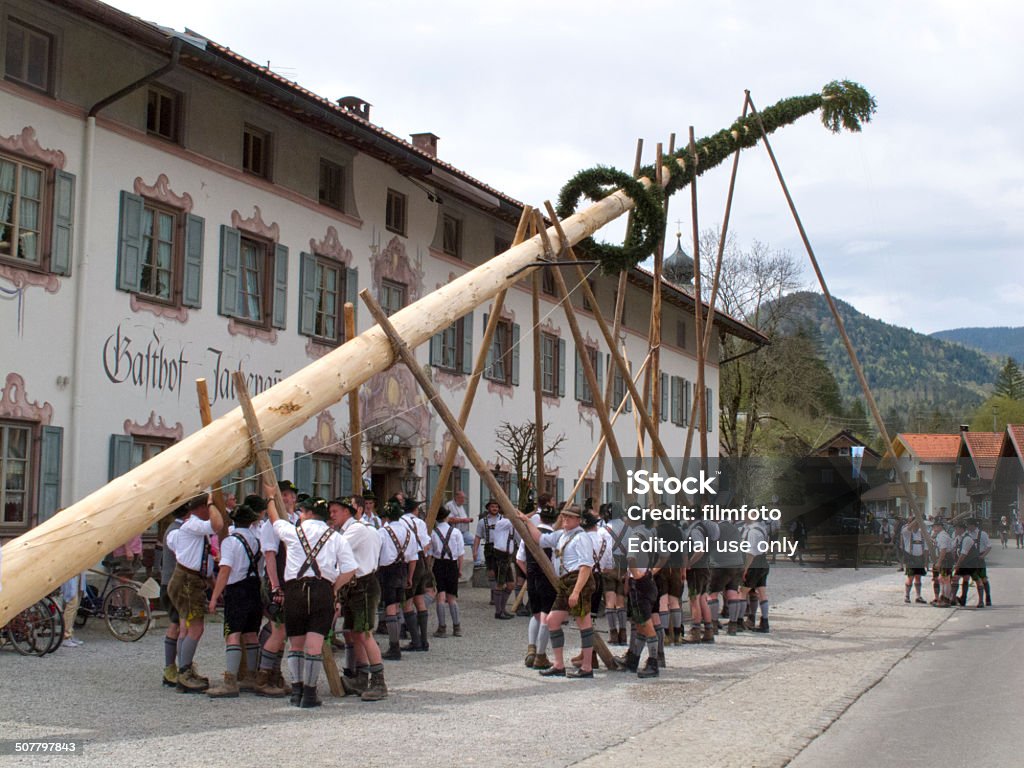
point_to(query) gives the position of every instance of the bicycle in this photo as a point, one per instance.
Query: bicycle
(36, 631)
(125, 611)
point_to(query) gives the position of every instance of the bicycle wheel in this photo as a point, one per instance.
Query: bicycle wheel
(127, 613)
(24, 631)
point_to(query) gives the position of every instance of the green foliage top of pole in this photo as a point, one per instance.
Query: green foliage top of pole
(843, 104)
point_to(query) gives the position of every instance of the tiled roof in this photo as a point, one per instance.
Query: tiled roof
(1017, 436)
(984, 448)
(930, 448)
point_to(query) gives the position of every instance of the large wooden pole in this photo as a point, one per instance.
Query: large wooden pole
(698, 308)
(474, 381)
(218, 493)
(404, 353)
(538, 393)
(355, 431)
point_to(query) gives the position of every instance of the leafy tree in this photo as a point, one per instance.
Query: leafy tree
(517, 447)
(1010, 382)
(1005, 410)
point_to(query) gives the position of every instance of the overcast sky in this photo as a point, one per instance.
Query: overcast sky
(917, 220)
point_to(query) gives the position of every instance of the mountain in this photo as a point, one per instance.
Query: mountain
(999, 342)
(906, 370)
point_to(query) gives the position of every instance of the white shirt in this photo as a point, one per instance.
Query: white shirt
(269, 539)
(388, 552)
(570, 550)
(913, 542)
(193, 537)
(602, 543)
(503, 536)
(521, 552)
(333, 559)
(485, 528)
(419, 530)
(943, 542)
(456, 544)
(365, 543)
(232, 554)
(457, 510)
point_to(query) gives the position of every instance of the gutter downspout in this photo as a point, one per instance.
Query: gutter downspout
(117, 96)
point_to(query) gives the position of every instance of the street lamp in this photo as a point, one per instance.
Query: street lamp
(410, 481)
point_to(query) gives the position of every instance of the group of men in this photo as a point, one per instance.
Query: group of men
(285, 575)
(956, 552)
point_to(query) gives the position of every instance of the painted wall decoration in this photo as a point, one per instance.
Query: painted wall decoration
(14, 402)
(325, 438)
(393, 263)
(393, 410)
(155, 427)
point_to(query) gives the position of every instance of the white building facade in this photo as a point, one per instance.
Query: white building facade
(214, 217)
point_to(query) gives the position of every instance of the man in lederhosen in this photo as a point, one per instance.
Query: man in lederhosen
(641, 600)
(754, 579)
(318, 564)
(912, 542)
(503, 552)
(397, 565)
(485, 534)
(167, 563)
(601, 540)
(187, 588)
(702, 538)
(944, 559)
(726, 570)
(417, 618)
(359, 599)
(615, 578)
(573, 560)
(541, 593)
(238, 579)
(447, 548)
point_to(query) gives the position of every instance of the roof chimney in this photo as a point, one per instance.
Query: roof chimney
(427, 142)
(355, 105)
(965, 427)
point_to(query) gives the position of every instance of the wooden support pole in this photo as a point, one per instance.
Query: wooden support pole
(841, 327)
(355, 432)
(270, 477)
(474, 381)
(611, 339)
(538, 394)
(205, 416)
(654, 340)
(698, 308)
(402, 352)
(620, 303)
(588, 367)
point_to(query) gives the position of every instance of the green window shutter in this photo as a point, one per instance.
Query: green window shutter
(280, 308)
(561, 367)
(464, 480)
(433, 475)
(129, 243)
(63, 224)
(513, 480)
(303, 471)
(675, 400)
(488, 372)
(307, 293)
(467, 343)
(581, 381)
(560, 489)
(599, 374)
(436, 342)
(50, 472)
(578, 498)
(352, 293)
(515, 354)
(608, 493)
(709, 401)
(485, 494)
(230, 271)
(192, 291)
(120, 455)
(664, 397)
(345, 486)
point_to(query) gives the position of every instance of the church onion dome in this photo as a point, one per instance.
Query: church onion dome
(678, 267)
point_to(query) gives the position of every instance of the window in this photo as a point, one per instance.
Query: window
(552, 365)
(679, 401)
(619, 390)
(21, 210)
(145, 448)
(392, 296)
(502, 363)
(160, 252)
(452, 348)
(324, 482)
(256, 151)
(253, 279)
(451, 236)
(547, 282)
(583, 393)
(163, 113)
(709, 402)
(15, 471)
(681, 334)
(332, 185)
(501, 245)
(551, 485)
(394, 217)
(248, 480)
(593, 288)
(252, 288)
(29, 56)
(324, 286)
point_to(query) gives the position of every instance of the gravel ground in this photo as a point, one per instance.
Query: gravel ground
(834, 633)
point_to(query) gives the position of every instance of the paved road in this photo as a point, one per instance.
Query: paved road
(953, 701)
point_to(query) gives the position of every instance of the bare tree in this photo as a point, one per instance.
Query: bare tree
(516, 447)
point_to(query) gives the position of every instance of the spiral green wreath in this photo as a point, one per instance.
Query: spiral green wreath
(843, 104)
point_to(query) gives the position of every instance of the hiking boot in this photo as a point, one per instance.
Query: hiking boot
(622, 637)
(226, 690)
(190, 682)
(309, 699)
(553, 672)
(763, 627)
(278, 680)
(578, 673)
(650, 669)
(456, 630)
(531, 655)
(731, 629)
(541, 661)
(376, 690)
(441, 631)
(661, 659)
(247, 682)
(393, 653)
(677, 637)
(709, 635)
(748, 623)
(204, 680)
(410, 648)
(504, 615)
(263, 686)
(350, 686)
(696, 636)
(296, 696)
(630, 662)
(920, 600)
(170, 677)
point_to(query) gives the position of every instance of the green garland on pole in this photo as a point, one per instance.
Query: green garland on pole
(843, 104)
